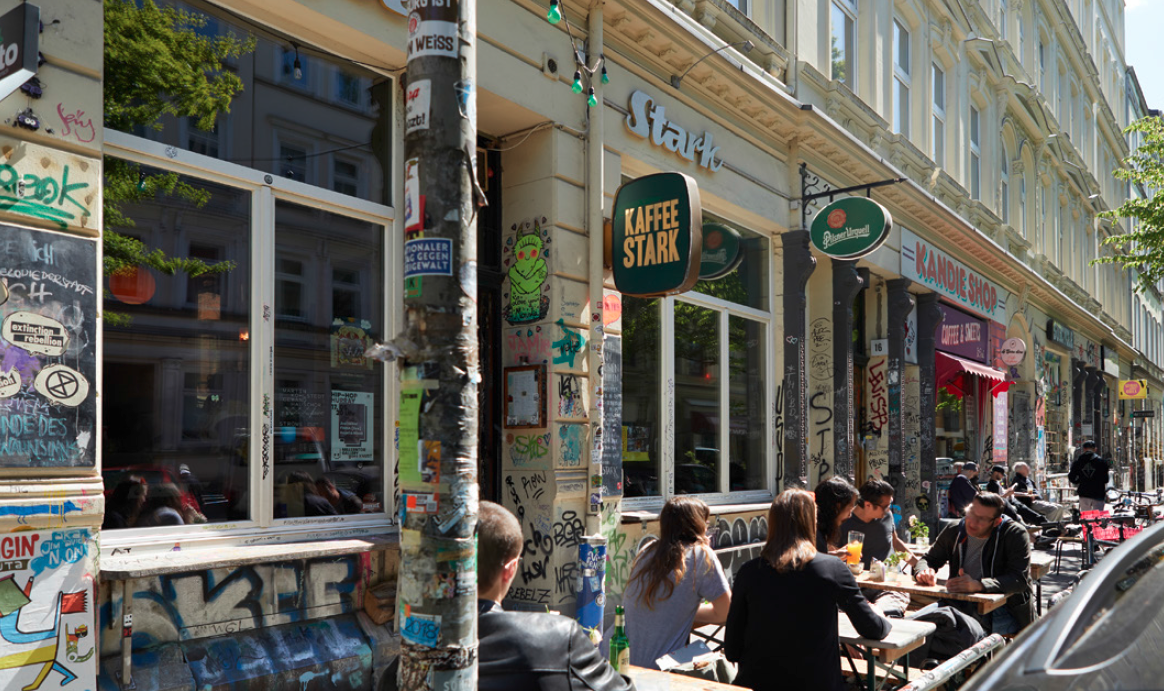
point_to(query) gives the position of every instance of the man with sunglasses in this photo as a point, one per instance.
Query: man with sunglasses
(873, 516)
(520, 650)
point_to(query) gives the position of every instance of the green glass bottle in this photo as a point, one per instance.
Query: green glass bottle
(619, 643)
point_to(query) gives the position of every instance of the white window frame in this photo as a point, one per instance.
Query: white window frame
(667, 395)
(974, 125)
(1004, 185)
(1003, 18)
(938, 123)
(262, 527)
(902, 79)
(850, 12)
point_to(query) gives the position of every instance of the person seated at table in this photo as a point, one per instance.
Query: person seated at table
(873, 517)
(1011, 507)
(669, 579)
(1027, 492)
(835, 499)
(962, 490)
(782, 625)
(519, 650)
(987, 553)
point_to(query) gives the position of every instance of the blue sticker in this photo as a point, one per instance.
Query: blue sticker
(428, 257)
(422, 629)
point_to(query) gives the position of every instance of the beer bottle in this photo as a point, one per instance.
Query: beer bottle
(619, 643)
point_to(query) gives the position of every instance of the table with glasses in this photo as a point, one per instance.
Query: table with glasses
(985, 602)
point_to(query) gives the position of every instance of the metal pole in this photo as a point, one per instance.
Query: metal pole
(440, 370)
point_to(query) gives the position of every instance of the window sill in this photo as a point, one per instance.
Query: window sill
(128, 566)
(716, 510)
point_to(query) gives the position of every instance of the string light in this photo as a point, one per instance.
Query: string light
(592, 100)
(297, 65)
(555, 14)
(577, 88)
(605, 76)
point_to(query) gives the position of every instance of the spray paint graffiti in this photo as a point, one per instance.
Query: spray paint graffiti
(528, 345)
(527, 450)
(570, 437)
(525, 255)
(570, 403)
(569, 345)
(45, 197)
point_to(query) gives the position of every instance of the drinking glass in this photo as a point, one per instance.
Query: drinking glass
(854, 545)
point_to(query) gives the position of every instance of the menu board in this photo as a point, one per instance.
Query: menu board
(48, 357)
(612, 417)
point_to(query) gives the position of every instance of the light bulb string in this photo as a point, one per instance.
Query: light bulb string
(579, 63)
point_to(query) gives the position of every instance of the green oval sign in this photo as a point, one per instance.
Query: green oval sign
(655, 241)
(850, 228)
(721, 252)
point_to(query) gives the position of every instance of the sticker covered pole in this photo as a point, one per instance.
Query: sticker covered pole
(439, 370)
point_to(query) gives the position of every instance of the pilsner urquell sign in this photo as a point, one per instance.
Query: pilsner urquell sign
(655, 239)
(850, 228)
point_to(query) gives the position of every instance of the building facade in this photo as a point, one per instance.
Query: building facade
(243, 401)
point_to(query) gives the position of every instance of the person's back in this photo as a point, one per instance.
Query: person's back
(782, 628)
(519, 650)
(665, 625)
(961, 493)
(1090, 473)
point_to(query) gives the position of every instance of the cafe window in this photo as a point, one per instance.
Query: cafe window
(241, 400)
(697, 387)
(843, 42)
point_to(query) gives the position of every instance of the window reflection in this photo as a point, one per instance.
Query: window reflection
(697, 399)
(640, 397)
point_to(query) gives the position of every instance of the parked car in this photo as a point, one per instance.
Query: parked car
(1107, 635)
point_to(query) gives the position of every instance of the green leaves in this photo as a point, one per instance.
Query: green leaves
(1141, 246)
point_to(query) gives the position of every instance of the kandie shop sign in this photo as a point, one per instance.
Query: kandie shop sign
(655, 240)
(850, 228)
(949, 277)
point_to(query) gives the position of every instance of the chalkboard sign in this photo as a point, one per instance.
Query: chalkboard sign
(48, 358)
(612, 417)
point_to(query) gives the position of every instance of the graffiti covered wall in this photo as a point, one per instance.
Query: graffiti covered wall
(47, 629)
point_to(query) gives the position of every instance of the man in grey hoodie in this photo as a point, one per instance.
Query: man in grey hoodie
(987, 553)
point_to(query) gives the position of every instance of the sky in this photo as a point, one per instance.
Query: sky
(1143, 25)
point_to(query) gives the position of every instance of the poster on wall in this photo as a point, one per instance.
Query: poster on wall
(48, 632)
(48, 362)
(351, 426)
(1001, 414)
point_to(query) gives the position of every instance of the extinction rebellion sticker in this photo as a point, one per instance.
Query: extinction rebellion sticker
(428, 257)
(432, 29)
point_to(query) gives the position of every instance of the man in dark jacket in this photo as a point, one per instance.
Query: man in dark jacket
(1090, 473)
(990, 554)
(521, 650)
(962, 490)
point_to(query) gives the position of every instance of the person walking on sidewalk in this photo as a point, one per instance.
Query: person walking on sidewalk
(1090, 473)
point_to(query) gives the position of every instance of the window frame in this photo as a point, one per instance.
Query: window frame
(902, 77)
(262, 526)
(850, 11)
(667, 410)
(974, 127)
(938, 115)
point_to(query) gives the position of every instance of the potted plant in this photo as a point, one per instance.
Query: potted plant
(919, 532)
(894, 564)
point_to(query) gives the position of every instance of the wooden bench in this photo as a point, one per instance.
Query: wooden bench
(858, 668)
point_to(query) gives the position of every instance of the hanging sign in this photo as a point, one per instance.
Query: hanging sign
(1012, 352)
(721, 252)
(1143, 413)
(19, 43)
(933, 268)
(850, 228)
(962, 335)
(1133, 389)
(654, 243)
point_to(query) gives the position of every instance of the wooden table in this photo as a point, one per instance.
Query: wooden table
(905, 636)
(986, 602)
(1040, 566)
(647, 679)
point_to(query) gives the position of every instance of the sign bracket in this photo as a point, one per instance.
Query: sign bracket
(810, 182)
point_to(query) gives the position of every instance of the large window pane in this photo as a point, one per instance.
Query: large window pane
(177, 369)
(640, 397)
(698, 374)
(746, 406)
(329, 399)
(748, 284)
(326, 127)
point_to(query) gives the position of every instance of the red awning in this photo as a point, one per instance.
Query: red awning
(951, 367)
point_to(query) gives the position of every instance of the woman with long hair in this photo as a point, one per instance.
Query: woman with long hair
(782, 625)
(669, 580)
(835, 499)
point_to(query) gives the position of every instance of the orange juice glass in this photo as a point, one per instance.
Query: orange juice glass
(854, 546)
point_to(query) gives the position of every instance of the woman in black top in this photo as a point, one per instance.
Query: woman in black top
(782, 625)
(835, 499)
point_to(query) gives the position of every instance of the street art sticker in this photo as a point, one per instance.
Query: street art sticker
(526, 285)
(47, 627)
(48, 309)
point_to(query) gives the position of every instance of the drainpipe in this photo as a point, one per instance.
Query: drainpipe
(594, 222)
(592, 549)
